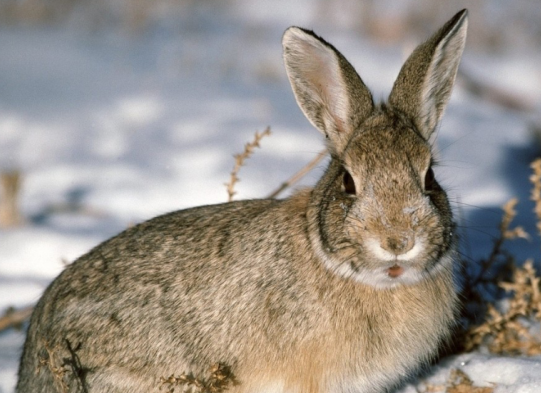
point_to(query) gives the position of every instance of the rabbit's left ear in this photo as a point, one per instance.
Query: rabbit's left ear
(327, 88)
(425, 82)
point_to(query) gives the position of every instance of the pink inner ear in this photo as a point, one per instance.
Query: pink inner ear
(337, 124)
(321, 70)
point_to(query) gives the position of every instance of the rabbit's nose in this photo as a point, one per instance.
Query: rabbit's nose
(398, 244)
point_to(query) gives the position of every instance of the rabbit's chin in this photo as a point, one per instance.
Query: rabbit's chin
(385, 274)
(389, 275)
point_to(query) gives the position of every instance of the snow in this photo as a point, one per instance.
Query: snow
(506, 374)
(131, 126)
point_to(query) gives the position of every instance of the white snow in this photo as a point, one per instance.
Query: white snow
(506, 374)
(127, 127)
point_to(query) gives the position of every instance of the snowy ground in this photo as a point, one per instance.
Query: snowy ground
(131, 126)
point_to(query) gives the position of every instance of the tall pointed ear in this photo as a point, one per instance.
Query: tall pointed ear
(425, 82)
(328, 90)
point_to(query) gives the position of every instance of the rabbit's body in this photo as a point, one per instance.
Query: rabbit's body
(347, 287)
(297, 324)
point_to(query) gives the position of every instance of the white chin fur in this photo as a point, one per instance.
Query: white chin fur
(379, 278)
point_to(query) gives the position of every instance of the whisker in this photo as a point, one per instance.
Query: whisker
(483, 208)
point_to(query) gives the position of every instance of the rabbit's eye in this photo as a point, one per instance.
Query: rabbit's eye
(349, 184)
(429, 179)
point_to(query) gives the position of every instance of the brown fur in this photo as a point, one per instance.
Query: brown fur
(293, 295)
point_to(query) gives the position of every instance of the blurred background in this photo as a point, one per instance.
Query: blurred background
(114, 111)
(496, 25)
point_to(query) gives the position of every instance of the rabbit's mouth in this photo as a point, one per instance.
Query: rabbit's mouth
(395, 271)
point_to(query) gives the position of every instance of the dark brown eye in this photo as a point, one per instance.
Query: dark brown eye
(349, 184)
(430, 180)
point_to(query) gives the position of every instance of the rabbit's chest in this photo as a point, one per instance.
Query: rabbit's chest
(377, 349)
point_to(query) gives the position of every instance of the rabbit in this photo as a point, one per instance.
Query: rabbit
(344, 287)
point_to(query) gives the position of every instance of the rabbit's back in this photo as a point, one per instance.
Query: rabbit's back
(161, 290)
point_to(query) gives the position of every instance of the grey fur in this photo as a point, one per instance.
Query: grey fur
(335, 289)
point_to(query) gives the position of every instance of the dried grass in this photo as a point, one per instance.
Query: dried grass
(482, 277)
(508, 329)
(10, 187)
(535, 178)
(299, 175)
(219, 380)
(506, 233)
(13, 318)
(241, 158)
(64, 369)
(55, 367)
(457, 382)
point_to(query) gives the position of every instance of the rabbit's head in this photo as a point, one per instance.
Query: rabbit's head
(378, 215)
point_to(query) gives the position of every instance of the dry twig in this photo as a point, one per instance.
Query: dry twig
(299, 175)
(494, 94)
(459, 382)
(483, 278)
(14, 318)
(57, 369)
(535, 178)
(10, 186)
(220, 379)
(506, 233)
(507, 332)
(239, 161)
(494, 268)
(67, 371)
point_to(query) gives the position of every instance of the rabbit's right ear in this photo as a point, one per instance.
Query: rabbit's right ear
(327, 88)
